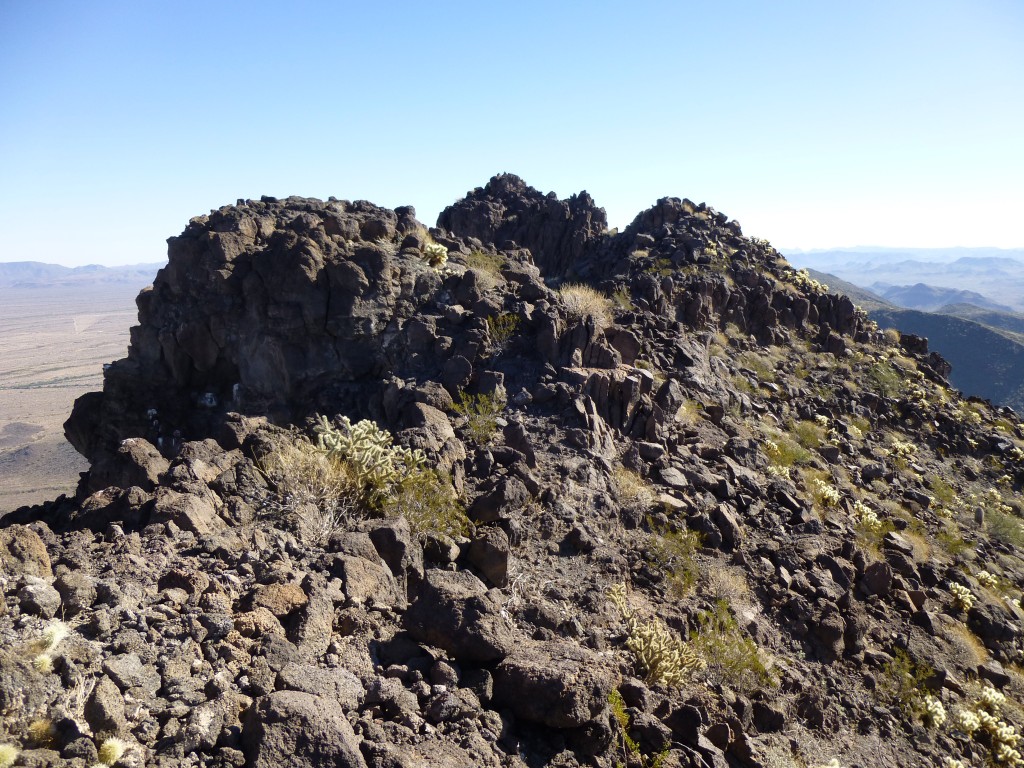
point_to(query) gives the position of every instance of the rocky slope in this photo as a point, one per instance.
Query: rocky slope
(701, 514)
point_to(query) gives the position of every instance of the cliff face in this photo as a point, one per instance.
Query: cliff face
(285, 308)
(659, 500)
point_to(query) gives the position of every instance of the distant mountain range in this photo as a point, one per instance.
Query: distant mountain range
(984, 346)
(927, 279)
(35, 274)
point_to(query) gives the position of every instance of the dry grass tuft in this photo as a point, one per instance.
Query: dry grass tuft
(320, 494)
(582, 302)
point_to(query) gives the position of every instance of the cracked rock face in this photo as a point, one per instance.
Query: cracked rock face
(759, 471)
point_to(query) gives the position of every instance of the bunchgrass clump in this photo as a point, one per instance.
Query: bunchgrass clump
(583, 302)
(630, 488)
(319, 494)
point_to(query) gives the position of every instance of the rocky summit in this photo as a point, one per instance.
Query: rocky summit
(515, 490)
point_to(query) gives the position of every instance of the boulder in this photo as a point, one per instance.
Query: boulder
(454, 611)
(299, 730)
(556, 683)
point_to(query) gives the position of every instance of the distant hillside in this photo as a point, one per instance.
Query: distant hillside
(35, 274)
(995, 275)
(1009, 322)
(931, 298)
(987, 362)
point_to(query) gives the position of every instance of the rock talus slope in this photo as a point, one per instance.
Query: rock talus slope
(666, 501)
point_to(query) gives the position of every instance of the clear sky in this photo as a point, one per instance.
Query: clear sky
(815, 123)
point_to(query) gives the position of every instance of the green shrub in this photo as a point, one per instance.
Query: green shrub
(481, 414)
(760, 365)
(501, 328)
(428, 501)
(630, 748)
(491, 263)
(903, 681)
(731, 655)
(808, 434)
(884, 380)
(674, 553)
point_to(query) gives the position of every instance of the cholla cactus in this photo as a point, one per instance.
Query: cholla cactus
(435, 254)
(8, 754)
(986, 579)
(54, 633)
(43, 663)
(367, 449)
(934, 712)
(822, 421)
(661, 654)
(991, 699)
(967, 720)
(902, 449)
(827, 495)
(776, 471)
(963, 598)
(951, 762)
(866, 517)
(111, 751)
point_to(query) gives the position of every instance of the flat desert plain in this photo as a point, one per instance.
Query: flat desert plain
(53, 344)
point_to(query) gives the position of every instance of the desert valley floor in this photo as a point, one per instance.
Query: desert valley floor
(53, 344)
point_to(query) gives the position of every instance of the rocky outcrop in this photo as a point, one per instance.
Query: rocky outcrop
(780, 499)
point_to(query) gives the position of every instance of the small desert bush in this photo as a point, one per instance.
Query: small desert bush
(808, 434)
(501, 328)
(689, 411)
(582, 302)
(428, 501)
(631, 752)
(786, 452)
(623, 300)
(902, 681)
(884, 380)
(731, 655)
(674, 553)
(354, 470)
(481, 413)
(491, 263)
(1004, 526)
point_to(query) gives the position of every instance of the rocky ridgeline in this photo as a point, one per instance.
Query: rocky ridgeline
(712, 516)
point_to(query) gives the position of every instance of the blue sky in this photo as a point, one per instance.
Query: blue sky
(815, 124)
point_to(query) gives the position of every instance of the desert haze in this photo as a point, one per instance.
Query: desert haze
(54, 341)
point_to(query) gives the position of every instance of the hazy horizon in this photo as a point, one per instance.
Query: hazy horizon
(813, 125)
